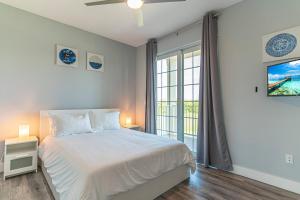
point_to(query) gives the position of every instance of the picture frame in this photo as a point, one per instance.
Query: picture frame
(94, 62)
(67, 56)
(281, 45)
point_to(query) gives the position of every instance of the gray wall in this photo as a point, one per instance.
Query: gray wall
(188, 36)
(30, 81)
(260, 129)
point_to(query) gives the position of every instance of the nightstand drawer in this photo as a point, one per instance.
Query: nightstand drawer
(20, 155)
(20, 163)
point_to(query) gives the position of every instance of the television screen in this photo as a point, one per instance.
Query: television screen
(284, 79)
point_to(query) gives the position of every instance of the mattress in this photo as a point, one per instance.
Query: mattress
(96, 166)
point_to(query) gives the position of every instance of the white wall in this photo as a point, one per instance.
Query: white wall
(260, 129)
(30, 81)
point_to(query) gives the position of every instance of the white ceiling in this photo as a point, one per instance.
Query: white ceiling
(118, 22)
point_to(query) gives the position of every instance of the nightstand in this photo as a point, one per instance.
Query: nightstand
(134, 127)
(20, 156)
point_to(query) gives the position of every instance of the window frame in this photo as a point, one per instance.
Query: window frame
(180, 85)
(169, 100)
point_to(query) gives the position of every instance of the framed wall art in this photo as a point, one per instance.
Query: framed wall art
(281, 45)
(66, 56)
(94, 62)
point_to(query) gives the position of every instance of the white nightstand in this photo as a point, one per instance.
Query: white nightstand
(20, 156)
(134, 127)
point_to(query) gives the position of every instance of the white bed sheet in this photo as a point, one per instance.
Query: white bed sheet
(96, 166)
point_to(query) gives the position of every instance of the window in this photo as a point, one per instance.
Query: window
(166, 104)
(178, 96)
(191, 73)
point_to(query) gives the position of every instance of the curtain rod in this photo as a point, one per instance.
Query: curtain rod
(190, 26)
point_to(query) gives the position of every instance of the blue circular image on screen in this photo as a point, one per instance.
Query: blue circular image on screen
(67, 56)
(95, 62)
(281, 45)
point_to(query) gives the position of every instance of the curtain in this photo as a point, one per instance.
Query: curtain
(150, 115)
(212, 147)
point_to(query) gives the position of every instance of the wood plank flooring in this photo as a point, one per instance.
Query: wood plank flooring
(31, 186)
(210, 184)
(205, 184)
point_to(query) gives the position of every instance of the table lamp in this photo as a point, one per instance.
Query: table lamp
(23, 130)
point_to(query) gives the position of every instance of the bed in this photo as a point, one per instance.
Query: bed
(112, 164)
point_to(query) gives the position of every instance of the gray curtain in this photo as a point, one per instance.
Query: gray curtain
(212, 147)
(151, 53)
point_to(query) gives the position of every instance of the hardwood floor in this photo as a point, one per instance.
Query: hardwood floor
(205, 184)
(213, 184)
(31, 186)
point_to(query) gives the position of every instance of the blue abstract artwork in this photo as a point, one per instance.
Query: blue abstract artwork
(66, 56)
(281, 45)
(95, 62)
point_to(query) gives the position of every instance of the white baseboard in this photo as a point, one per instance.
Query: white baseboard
(276, 181)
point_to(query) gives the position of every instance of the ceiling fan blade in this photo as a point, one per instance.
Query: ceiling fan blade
(103, 2)
(139, 17)
(161, 1)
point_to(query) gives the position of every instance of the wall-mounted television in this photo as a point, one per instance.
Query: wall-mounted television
(284, 79)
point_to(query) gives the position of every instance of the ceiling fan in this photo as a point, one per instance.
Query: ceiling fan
(134, 4)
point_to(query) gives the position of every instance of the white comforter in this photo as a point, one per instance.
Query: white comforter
(96, 166)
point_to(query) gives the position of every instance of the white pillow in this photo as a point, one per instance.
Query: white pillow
(68, 124)
(97, 122)
(111, 121)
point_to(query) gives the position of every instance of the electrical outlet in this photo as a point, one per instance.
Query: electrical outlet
(289, 159)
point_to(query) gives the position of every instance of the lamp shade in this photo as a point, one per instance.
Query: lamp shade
(23, 130)
(135, 4)
(128, 121)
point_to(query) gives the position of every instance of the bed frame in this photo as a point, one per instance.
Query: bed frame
(147, 191)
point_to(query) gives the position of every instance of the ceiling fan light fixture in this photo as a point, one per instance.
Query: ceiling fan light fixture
(135, 4)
